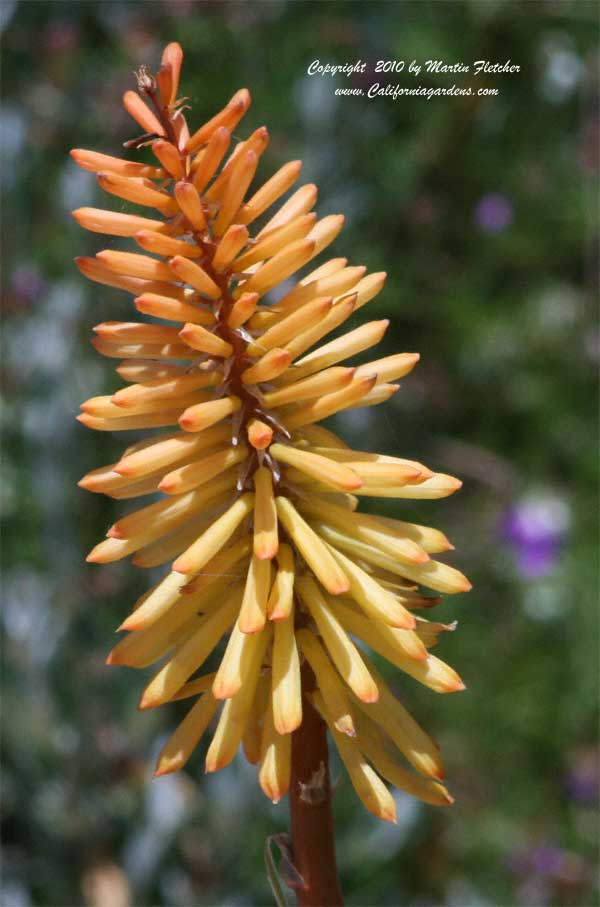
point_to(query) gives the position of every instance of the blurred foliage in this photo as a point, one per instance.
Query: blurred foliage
(482, 212)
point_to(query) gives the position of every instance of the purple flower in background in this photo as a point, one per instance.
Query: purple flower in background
(544, 859)
(536, 527)
(547, 860)
(494, 212)
(582, 782)
(546, 868)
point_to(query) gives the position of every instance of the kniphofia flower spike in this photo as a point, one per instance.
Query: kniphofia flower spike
(257, 514)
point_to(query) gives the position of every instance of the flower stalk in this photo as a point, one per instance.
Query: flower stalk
(311, 813)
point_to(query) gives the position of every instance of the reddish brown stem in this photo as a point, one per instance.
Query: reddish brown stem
(313, 839)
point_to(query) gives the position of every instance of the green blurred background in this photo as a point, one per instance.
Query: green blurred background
(482, 210)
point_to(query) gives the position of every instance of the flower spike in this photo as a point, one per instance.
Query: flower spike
(257, 518)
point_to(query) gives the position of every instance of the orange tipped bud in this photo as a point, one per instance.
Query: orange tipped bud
(325, 382)
(190, 656)
(273, 189)
(202, 416)
(139, 191)
(180, 745)
(342, 348)
(115, 224)
(141, 113)
(340, 312)
(390, 368)
(330, 403)
(206, 163)
(171, 309)
(369, 287)
(418, 747)
(260, 435)
(272, 364)
(320, 468)
(169, 449)
(278, 268)
(329, 284)
(236, 712)
(342, 650)
(242, 173)
(287, 693)
(325, 231)
(380, 393)
(311, 547)
(200, 339)
(191, 205)
(301, 202)
(366, 782)
(437, 486)
(215, 537)
(134, 332)
(193, 274)
(164, 245)
(329, 682)
(291, 326)
(242, 310)
(275, 240)
(256, 144)
(234, 239)
(387, 474)
(275, 759)
(96, 162)
(366, 529)
(266, 540)
(229, 117)
(169, 513)
(168, 75)
(169, 157)
(95, 270)
(173, 57)
(253, 613)
(134, 265)
(380, 604)
(237, 662)
(201, 471)
(141, 350)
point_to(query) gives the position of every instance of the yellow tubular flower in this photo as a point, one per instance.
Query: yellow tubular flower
(275, 576)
